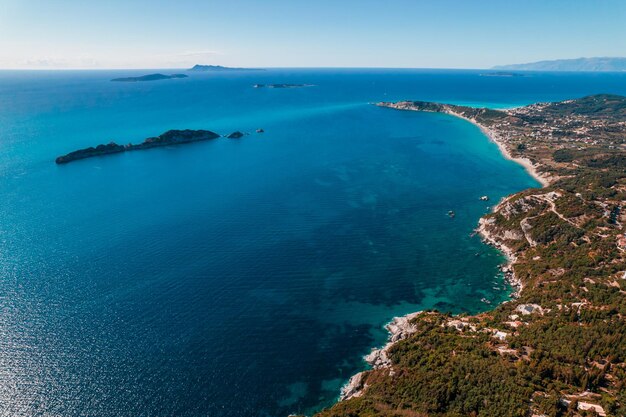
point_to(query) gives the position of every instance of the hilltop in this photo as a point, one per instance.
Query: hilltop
(578, 64)
(598, 106)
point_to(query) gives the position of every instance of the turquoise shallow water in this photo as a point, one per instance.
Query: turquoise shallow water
(237, 277)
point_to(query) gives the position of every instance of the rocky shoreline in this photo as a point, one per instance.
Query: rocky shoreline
(561, 241)
(507, 269)
(401, 327)
(483, 223)
(487, 236)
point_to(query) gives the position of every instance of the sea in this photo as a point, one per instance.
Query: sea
(239, 277)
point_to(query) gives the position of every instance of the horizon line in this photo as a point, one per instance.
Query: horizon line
(233, 68)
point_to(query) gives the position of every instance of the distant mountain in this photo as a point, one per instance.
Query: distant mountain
(219, 68)
(150, 77)
(579, 64)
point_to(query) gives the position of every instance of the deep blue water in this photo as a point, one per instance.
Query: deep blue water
(238, 277)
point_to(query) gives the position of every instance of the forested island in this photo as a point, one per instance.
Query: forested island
(169, 138)
(150, 77)
(559, 347)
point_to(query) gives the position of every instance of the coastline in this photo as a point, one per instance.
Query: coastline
(546, 234)
(400, 327)
(486, 235)
(494, 137)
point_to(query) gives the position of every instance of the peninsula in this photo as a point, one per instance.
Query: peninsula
(169, 138)
(150, 77)
(559, 347)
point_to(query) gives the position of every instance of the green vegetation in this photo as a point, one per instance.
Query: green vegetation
(560, 348)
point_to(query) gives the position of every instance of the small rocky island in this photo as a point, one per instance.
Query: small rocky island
(171, 137)
(150, 77)
(236, 135)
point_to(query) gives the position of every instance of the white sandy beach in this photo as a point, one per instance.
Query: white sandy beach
(494, 137)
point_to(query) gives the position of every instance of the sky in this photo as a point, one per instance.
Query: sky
(57, 34)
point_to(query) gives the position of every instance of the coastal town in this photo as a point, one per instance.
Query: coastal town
(558, 348)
